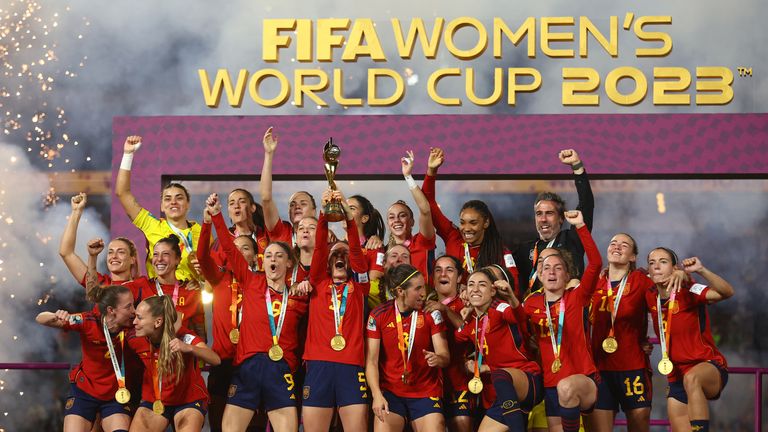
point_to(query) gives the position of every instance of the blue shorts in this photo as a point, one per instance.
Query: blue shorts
(413, 408)
(676, 389)
(260, 380)
(533, 398)
(86, 406)
(629, 389)
(219, 378)
(171, 410)
(329, 384)
(459, 403)
(552, 402)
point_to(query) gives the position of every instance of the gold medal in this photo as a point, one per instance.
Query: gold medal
(610, 345)
(234, 336)
(556, 365)
(475, 385)
(404, 377)
(275, 353)
(665, 366)
(158, 407)
(338, 342)
(122, 395)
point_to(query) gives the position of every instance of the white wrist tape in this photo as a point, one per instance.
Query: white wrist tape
(411, 182)
(127, 161)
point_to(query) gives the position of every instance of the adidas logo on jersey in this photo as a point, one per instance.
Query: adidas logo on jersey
(641, 399)
(391, 325)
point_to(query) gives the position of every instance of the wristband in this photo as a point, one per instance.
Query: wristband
(127, 161)
(411, 182)
(577, 166)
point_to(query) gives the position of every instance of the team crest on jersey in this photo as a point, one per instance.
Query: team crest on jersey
(371, 324)
(69, 404)
(305, 393)
(232, 390)
(420, 321)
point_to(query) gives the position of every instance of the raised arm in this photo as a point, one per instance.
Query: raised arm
(123, 181)
(318, 270)
(441, 223)
(356, 257)
(594, 260)
(235, 259)
(426, 228)
(208, 267)
(583, 189)
(271, 215)
(73, 262)
(719, 288)
(95, 246)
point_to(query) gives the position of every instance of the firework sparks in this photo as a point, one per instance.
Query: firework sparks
(31, 69)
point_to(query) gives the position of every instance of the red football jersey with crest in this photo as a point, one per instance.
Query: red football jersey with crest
(187, 301)
(690, 340)
(630, 328)
(455, 376)
(322, 325)
(576, 349)
(94, 374)
(423, 380)
(255, 334)
(189, 387)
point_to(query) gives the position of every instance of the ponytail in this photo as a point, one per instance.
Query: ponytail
(105, 297)
(168, 363)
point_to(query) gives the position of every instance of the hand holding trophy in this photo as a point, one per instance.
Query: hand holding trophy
(331, 152)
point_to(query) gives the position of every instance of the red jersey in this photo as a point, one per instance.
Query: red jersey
(424, 381)
(225, 289)
(507, 332)
(422, 252)
(260, 237)
(630, 327)
(283, 231)
(576, 349)
(255, 334)
(140, 287)
(690, 341)
(188, 302)
(94, 374)
(455, 376)
(190, 386)
(322, 324)
(454, 241)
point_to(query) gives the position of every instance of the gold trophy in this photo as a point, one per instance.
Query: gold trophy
(331, 152)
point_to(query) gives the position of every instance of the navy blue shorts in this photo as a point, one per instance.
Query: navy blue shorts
(459, 403)
(219, 378)
(552, 402)
(626, 389)
(676, 389)
(171, 410)
(260, 380)
(413, 408)
(329, 384)
(86, 406)
(533, 398)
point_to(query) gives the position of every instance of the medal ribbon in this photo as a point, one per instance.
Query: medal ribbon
(535, 260)
(468, 258)
(276, 331)
(119, 369)
(447, 300)
(235, 287)
(186, 239)
(560, 320)
(617, 300)
(175, 291)
(480, 343)
(400, 339)
(665, 330)
(295, 274)
(338, 312)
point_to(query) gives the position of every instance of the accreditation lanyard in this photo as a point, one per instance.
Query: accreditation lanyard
(402, 344)
(157, 380)
(339, 310)
(468, 258)
(617, 300)
(237, 313)
(175, 291)
(560, 321)
(185, 238)
(119, 368)
(480, 327)
(446, 301)
(535, 260)
(295, 274)
(270, 317)
(665, 330)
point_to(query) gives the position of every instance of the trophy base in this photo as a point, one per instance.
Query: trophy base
(334, 212)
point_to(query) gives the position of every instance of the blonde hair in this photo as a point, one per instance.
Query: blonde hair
(168, 362)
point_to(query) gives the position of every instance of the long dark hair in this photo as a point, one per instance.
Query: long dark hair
(375, 224)
(491, 248)
(258, 214)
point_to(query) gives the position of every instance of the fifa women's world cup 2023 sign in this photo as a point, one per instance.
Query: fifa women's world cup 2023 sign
(305, 54)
